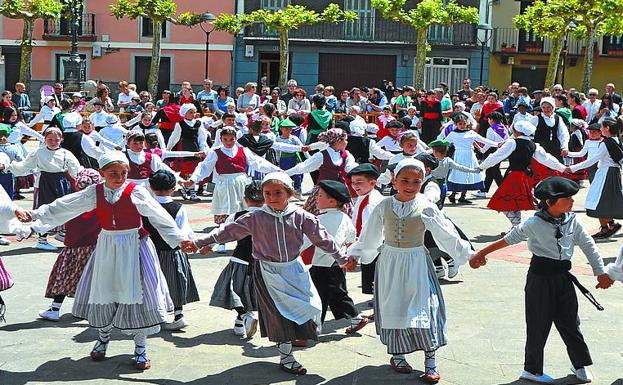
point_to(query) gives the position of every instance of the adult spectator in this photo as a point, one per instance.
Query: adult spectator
(557, 90)
(318, 90)
(145, 98)
(446, 103)
(616, 98)
(279, 104)
(22, 101)
(537, 95)
(78, 103)
(300, 104)
(479, 99)
(102, 95)
(511, 100)
(444, 88)
(58, 94)
(341, 105)
(125, 95)
(166, 99)
(289, 95)
(207, 96)
(562, 109)
(430, 109)
(264, 94)
(376, 101)
(357, 99)
(592, 105)
(466, 92)
(188, 97)
(249, 101)
(331, 104)
(222, 100)
(607, 109)
(575, 104)
(490, 106)
(403, 101)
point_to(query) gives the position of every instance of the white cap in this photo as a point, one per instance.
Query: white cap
(357, 128)
(410, 162)
(459, 104)
(278, 176)
(72, 120)
(357, 109)
(525, 127)
(578, 123)
(241, 120)
(372, 128)
(47, 99)
(112, 156)
(76, 94)
(548, 100)
(187, 107)
(111, 119)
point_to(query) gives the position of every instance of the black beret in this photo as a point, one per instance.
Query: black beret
(428, 159)
(365, 168)
(344, 125)
(162, 180)
(336, 190)
(556, 187)
(253, 191)
(392, 167)
(523, 103)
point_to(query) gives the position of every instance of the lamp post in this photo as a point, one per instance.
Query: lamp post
(73, 67)
(565, 53)
(483, 43)
(208, 18)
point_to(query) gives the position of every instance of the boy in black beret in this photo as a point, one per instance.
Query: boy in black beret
(550, 294)
(328, 277)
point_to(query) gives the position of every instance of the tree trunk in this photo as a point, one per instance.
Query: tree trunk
(420, 58)
(591, 40)
(284, 59)
(554, 59)
(26, 54)
(154, 66)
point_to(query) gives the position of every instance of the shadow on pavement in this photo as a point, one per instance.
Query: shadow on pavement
(377, 375)
(568, 380)
(487, 238)
(66, 321)
(28, 250)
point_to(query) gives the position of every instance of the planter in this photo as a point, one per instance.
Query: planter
(615, 52)
(509, 49)
(534, 49)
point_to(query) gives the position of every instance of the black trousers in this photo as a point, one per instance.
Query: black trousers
(493, 174)
(552, 299)
(331, 285)
(367, 277)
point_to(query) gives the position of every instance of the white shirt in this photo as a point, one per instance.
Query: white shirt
(463, 140)
(88, 145)
(126, 99)
(115, 134)
(156, 162)
(375, 198)
(45, 114)
(390, 144)
(98, 119)
(601, 155)
(510, 145)
(19, 130)
(589, 149)
(314, 162)
(176, 135)
(563, 131)
(208, 165)
(97, 137)
(341, 229)
(181, 218)
(519, 117)
(592, 108)
(46, 160)
(154, 130)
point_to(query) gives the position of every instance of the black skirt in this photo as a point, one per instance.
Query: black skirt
(611, 200)
(52, 185)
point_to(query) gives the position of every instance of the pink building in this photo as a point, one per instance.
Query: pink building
(117, 50)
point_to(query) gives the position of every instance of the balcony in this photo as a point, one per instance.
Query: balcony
(372, 30)
(60, 29)
(612, 46)
(511, 40)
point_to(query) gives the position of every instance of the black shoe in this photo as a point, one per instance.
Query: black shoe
(18, 197)
(463, 200)
(452, 199)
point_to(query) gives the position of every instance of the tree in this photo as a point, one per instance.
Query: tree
(551, 20)
(159, 12)
(596, 18)
(421, 17)
(282, 21)
(29, 11)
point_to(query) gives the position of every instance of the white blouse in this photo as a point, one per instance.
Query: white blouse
(208, 165)
(46, 160)
(314, 162)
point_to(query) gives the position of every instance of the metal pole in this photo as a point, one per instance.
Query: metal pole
(565, 52)
(482, 60)
(207, 53)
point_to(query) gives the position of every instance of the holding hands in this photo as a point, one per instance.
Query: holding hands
(350, 265)
(479, 259)
(604, 281)
(23, 215)
(188, 246)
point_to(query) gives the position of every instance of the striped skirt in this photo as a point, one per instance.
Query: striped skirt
(152, 310)
(272, 324)
(179, 276)
(67, 271)
(408, 340)
(6, 280)
(234, 288)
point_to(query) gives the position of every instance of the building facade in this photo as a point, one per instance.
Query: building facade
(364, 52)
(116, 50)
(522, 57)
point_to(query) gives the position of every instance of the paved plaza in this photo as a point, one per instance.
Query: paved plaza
(485, 325)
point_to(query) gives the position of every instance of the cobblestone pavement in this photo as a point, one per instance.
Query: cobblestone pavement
(485, 324)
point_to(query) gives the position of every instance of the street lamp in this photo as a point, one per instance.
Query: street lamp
(73, 67)
(565, 52)
(485, 28)
(208, 18)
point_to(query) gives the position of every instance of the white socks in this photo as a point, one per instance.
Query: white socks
(429, 362)
(285, 355)
(355, 320)
(104, 338)
(514, 217)
(56, 306)
(140, 348)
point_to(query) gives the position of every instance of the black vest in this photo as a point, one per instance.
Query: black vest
(172, 208)
(190, 136)
(439, 202)
(547, 137)
(244, 247)
(72, 142)
(360, 148)
(520, 158)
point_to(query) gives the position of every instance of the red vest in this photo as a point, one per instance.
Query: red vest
(228, 165)
(122, 215)
(330, 171)
(140, 171)
(82, 230)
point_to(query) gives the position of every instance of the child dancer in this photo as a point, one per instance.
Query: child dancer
(80, 145)
(122, 285)
(589, 149)
(234, 287)
(333, 163)
(142, 163)
(550, 293)
(13, 154)
(408, 304)
(463, 140)
(515, 193)
(146, 127)
(328, 277)
(496, 132)
(410, 146)
(80, 238)
(445, 165)
(604, 199)
(287, 160)
(289, 305)
(46, 114)
(173, 261)
(578, 137)
(53, 162)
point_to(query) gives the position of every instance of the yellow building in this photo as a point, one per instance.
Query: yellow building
(522, 57)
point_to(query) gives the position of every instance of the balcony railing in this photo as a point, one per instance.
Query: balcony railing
(61, 29)
(374, 30)
(612, 46)
(509, 40)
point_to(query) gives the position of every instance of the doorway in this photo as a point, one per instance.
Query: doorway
(269, 69)
(141, 73)
(533, 79)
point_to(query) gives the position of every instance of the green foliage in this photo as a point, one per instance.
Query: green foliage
(289, 18)
(426, 13)
(189, 18)
(31, 10)
(157, 10)
(548, 19)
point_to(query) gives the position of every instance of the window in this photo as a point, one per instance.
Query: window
(448, 70)
(147, 28)
(363, 27)
(60, 67)
(273, 5)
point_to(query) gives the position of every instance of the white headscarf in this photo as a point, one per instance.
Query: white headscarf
(112, 156)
